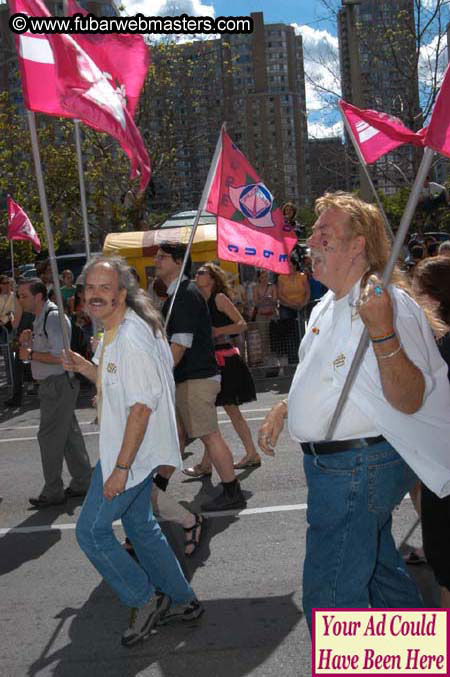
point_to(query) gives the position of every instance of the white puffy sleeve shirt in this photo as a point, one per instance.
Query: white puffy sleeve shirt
(423, 438)
(137, 368)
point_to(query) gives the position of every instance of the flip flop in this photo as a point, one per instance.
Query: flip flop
(197, 472)
(247, 464)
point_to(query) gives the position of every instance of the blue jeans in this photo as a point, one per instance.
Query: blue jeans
(158, 569)
(351, 560)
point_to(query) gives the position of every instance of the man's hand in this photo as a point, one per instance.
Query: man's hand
(115, 484)
(270, 430)
(24, 353)
(26, 337)
(375, 308)
(73, 361)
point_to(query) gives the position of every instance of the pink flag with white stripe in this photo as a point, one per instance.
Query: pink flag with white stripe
(124, 59)
(76, 88)
(378, 133)
(20, 226)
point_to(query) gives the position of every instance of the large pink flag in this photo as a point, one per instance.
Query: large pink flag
(123, 58)
(378, 133)
(438, 131)
(82, 91)
(20, 227)
(250, 228)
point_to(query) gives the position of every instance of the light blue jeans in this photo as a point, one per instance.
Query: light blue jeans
(351, 560)
(158, 567)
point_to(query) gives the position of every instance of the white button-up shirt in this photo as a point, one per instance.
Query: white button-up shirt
(325, 356)
(137, 368)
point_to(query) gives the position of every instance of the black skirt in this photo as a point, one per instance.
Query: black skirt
(237, 385)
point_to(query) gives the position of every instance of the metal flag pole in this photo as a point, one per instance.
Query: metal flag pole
(366, 173)
(48, 231)
(11, 242)
(408, 214)
(201, 206)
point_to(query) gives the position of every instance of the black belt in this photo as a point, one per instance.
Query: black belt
(339, 445)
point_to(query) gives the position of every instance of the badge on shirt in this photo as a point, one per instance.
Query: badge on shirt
(111, 368)
(339, 361)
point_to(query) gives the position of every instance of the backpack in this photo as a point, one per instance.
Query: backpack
(78, 341)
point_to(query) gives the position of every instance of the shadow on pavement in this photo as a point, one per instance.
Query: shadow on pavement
(17, 549)
(233, 637)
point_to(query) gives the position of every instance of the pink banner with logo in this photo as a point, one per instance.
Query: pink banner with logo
(250, 228)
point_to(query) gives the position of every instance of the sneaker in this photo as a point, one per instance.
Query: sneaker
(187, 611)
(144, 619)
(226, 501)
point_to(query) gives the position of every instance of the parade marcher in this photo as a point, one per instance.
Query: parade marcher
(237, 386)
(135, 392)
(196, 373)
(20, 322)
(395, 422)
(431, 284)
(59, 434)
(6, 303)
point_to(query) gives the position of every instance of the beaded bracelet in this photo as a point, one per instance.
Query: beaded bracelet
(386, 357)
(381, 339)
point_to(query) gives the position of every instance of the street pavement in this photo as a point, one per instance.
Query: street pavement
(58, 618)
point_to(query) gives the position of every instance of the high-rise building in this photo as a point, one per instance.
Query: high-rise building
(377, 46)
(329, 170)
(256, 84)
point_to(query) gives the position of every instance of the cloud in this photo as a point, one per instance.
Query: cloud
(320, 130)
(169, 7)
(321, 58)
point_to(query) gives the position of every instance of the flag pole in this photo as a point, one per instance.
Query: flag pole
(405, 222)
(366, 173)
(82, 190)
(11, 242)
(201, 206)
(48, 231)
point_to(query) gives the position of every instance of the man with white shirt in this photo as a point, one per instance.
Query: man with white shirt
(196, 374)
(136, 410)
(396, 419)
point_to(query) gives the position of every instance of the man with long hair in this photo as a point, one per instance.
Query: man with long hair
(135, 400)
(399, 401)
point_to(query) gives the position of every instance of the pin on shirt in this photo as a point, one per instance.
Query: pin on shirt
(339, 361)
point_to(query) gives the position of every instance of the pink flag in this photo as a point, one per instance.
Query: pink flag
(82, 91)
(123, 58)
(378, 133)
(437, 134)
(250, 229)
(19, 225)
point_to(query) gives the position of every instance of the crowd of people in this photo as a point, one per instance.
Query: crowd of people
(163, 366)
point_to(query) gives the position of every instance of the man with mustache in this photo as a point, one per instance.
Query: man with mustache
(396, 419)
(59, 434)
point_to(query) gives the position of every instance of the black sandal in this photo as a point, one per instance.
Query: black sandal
(197, 530)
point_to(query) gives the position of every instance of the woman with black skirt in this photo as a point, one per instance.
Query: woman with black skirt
(237, 386)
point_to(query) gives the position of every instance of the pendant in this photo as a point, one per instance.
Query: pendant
(315, 330)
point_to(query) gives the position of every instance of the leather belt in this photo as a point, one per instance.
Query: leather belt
(332, 447)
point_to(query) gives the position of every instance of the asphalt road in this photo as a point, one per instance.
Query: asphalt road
(58, 618)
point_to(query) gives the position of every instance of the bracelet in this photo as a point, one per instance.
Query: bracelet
(122, 466)
(386, 357)
(386, 337)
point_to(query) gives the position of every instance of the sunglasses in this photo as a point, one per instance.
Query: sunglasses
(201, 272)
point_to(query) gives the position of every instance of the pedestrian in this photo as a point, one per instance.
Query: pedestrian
(20, 322)
(399, 401)
(431, 284)
(196, 373)
(237, 386)
(132, 368)
(68, 290)
(59, 434)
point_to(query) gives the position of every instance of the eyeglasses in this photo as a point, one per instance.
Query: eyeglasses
(159, 257)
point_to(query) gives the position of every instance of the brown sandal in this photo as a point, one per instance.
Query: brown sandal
(197, 471)
(196, 531)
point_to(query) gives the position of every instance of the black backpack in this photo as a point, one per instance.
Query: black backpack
(78, 342)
